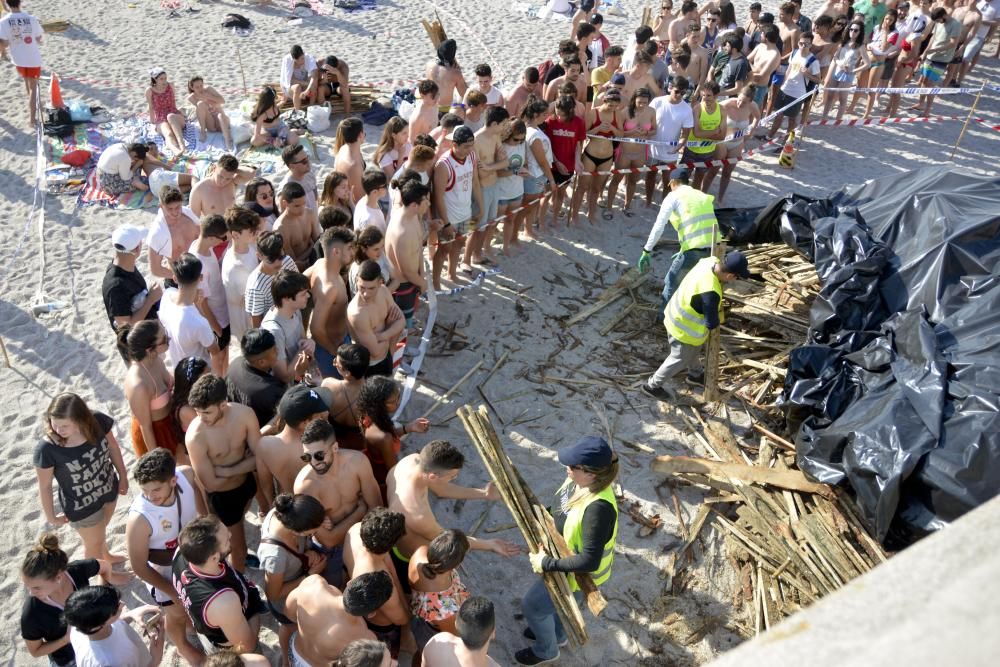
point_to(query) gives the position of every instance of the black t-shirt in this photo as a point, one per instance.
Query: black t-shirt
(257, 390)
(554, 73)
(86, 477)
(123, 292)
(43, 622)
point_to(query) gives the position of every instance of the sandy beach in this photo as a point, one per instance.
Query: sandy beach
(61, 257)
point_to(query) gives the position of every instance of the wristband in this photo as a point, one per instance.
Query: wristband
(446, 225)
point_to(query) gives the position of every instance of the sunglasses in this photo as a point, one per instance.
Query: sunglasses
(315, 456)
(266, 195)
(302, 161)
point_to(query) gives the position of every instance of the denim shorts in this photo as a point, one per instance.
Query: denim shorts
(535, 186)
(511, 202)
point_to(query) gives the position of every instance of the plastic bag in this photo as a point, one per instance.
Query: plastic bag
(318, 118)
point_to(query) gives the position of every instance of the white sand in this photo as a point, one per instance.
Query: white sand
(73, 350)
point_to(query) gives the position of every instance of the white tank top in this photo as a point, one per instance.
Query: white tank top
(164, 524)
(458, 191)
(533, 167)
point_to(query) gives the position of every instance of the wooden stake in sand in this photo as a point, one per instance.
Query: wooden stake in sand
(965, 126)
(448, 393)
(528, 513)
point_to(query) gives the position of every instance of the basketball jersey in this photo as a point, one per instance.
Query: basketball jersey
(197, 590)
(458, 191)
(163, 521)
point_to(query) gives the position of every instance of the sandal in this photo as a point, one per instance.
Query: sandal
(607, 215)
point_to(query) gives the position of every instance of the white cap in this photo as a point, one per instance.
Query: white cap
(156, 71)
(127, 238)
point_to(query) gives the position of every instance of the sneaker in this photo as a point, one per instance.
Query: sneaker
(527, 657)
(659, 393)
(696, 376)
(528, 634)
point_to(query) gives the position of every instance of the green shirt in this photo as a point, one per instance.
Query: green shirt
(873, 13)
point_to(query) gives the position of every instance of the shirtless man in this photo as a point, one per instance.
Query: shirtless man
(476, 625)
(698, 68)
(343, 482)
(491, 158)
(573, 75)
(348, 160)
(679, 26)
(639, 77)
(447, 74)
(425, 113)
(530, 85)
(789, 32)
(217, 193)
(174, 229)
(222, 443)
(373, 318)
(298, 225)
(351, 364)
(328, 324)
(279, 457)
(404, 247)
(366, 549)
(327, 621)
(764, 60)
(433, 469)
(334, 80)
(661, 25)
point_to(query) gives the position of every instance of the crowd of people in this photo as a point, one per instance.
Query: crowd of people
(260, 359)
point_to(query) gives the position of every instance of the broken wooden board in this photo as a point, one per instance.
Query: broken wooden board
(629, 280)
(792, 480)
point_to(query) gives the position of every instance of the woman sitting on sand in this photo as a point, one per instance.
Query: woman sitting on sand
(120, 168)
(438, 592)
(269, 129)
(81, 453)
(163, 111)
(50, 576)
(147, 386)
(208, 107)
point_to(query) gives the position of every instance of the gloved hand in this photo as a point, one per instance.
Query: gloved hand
(536, 561)
(644, 260)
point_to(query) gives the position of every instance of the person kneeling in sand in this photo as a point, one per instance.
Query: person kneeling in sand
(328, 620)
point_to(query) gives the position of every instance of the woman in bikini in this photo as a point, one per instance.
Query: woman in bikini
(209, 108)
(742, 115)
(147, 387)
(337, 194)
(377, 402)
(269, 129)
(603, 125)
(163, 111)
(640, 123)
(882, 52)
(850, 60)
(285, 557)
(50, 577)
(913, 32)
(438, 592)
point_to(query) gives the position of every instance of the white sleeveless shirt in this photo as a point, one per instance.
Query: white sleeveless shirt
(163, 521)
(458, 191)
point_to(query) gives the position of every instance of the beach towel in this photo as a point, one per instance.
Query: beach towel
(193, 163)
(354, 5)
(267, 159)
(61, 178)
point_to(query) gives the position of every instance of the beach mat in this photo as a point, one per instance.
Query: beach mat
(197, 164)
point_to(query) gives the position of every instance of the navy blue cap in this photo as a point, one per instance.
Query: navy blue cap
(679, 174)
(735, 262)
(301, 402)
(589, 451)
(618, 79)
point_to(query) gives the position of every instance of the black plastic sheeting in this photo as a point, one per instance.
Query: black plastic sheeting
(897, 389)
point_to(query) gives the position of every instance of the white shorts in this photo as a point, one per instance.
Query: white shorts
(161, 178)
(293, 655)
(972, 48)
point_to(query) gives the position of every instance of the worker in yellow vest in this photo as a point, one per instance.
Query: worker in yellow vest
(587, 516)
(692, 312)
(692, 213)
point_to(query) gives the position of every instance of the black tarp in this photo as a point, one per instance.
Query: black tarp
(897, 389)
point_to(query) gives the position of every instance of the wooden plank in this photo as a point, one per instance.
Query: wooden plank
(629, 280)
(792, 480)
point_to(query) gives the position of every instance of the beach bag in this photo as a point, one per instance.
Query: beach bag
(78, 111)
(544, 68)
(318, 118)
(297, 120)
(77, 158)
(58, 122)
(240, 127)
(237, 21)
(303, 9)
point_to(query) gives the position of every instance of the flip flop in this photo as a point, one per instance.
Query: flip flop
(627, 213)
(607, 215)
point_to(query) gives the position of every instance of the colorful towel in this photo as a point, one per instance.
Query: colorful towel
(267, 159)
(197, 164)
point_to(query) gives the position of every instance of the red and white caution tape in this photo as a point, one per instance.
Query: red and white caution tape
(881, 121)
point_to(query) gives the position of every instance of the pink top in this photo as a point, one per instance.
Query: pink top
(163, 105)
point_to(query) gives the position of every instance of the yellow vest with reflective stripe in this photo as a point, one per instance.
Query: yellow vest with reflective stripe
(695, 219)
(683, 322)
(573, 534)
(707, 122)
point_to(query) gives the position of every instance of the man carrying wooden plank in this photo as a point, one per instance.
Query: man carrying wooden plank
(693, 311)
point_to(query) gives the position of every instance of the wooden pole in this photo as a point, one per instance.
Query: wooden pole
(243, 74)
(968, 119)
(448, 393)
(713, 346)
(3, 347)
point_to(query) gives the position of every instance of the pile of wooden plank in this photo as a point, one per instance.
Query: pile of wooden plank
(534, 521)
(362, 97)
(790, 539)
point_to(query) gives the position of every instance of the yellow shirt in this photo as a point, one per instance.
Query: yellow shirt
(598, 77)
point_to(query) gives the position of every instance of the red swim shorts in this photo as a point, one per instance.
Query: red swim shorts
(30, 72)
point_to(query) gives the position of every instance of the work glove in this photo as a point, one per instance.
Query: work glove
(644, 260)
(536, 559)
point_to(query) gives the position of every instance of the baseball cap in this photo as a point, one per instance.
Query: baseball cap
(461, 135)
(767, 17)
(590, 451)
(301, 402)
(618, 79)
(256, 341)
(736, 263)
(127, 238)
(679, 174)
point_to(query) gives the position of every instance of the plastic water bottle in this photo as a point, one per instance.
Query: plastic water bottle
(44, 308)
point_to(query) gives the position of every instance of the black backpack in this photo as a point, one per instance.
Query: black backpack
(237, 21)
(58, 122)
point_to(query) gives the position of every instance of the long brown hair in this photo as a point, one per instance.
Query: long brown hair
(445, 553)
(45, 560)
(366, 238)
(395, 125)
(70, 406)
(328, 198)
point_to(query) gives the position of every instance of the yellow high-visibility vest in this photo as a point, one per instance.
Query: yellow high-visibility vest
(572, 532)
(683, 322)
(695, 223)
